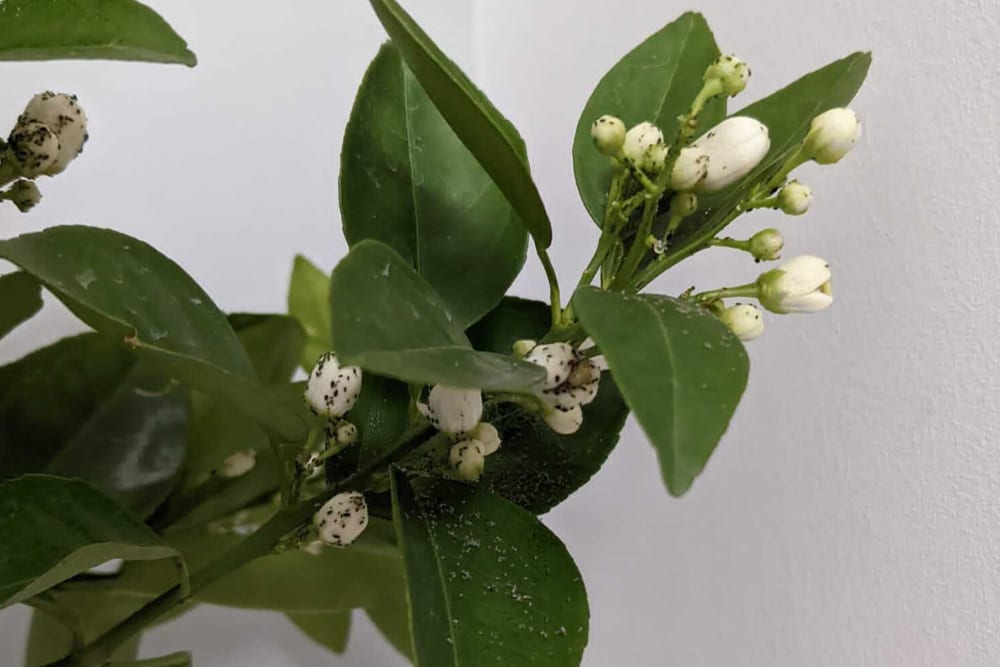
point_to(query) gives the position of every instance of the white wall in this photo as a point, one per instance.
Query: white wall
(852, 515)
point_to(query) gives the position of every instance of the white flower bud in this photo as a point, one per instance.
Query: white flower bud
(644, 146)
(832, 135)
(453, 410)
(342, 519)
(488, 435)
(521, 348)
(557, 359)
(238, 464)
(734, 147)
(744, 320)
(795, 198)
(314, 548)
(564, 421)
(683, 204)
(691, 166)
(332, 390)
(63, 115)
(609, 135)
(731, 72)
(800, 285)
(766, 245)
(467, 458)
(25, 195)
(35, 147)
(345, 433)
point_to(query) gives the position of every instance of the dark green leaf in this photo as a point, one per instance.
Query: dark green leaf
(392, 618)
(485, 132)
(309, 303)
(679, 368)
(274, 344)
(655, 82)
(84, 408)
(55, 528)
(381, 415)
(49, 640)
(125, 288)
(330, 629)
(536, 468)
(488, 583)
(96, 29)
(388, 320)
(408, 181)
(20, 299)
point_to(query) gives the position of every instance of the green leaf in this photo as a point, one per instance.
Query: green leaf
(309, 303)
(330, 629)
(489, 136)
(55, 528)
(84, 408)
(96, 29)
(125, 288)
(488, 583)
(408, 181)
(381, 415)
(177, 659)
(656, 82)
(535, 467)
(21, 298)
(679, 368)
(274, 344)
(49, 640)
(388, 320)
(392, 618)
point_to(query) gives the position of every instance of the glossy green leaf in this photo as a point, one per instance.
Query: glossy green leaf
(309, 303)
(388, 320)
(485, 132)
(381, 415)
(20, 299)
(787, 115)
(96, 29)
(50, 640)
(408, 181)
(84, 408)
(488, 583)
(392, 618)
(679, 368)
(535, 467)
(330, 629)
(55, 528)
(656, 82)
(125, 288)
(274, 344)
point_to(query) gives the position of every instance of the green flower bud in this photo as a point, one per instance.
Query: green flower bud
(609, 135)
(521, 348)
(24, 194)
(731, 73)
(744, 320)
(683, 204)
(795, 198)
(766, 245)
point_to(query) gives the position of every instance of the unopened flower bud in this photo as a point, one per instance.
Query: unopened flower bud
(744, 320)
(609, 135)
(35, 147)
(238, 464)
(521, 348)
(467, 458)
(345, 433)
(795, 198)
(453, 410)
(24, 194)
(832, 135)
(644, 146)
(64, 116)
(557, 359)
(800, 285)
(691, 166)
(342, 519)
(766, 245)
(332, 389)
(731, 73)
(683, 204)
(564, 421)
(734, 148)
(488, 435)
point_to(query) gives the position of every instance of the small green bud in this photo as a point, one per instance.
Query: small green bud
(744, 320)
(609, 135)
(683, 204)
(766, 245)
(521, 348)
(24, 194)
(731, 73)
(795, 198)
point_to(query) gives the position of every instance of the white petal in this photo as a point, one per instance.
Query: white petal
(457, 410)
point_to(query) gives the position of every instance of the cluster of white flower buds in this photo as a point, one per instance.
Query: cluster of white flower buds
(457, 413)
(48, 135)
(331, 392)
(572, 380)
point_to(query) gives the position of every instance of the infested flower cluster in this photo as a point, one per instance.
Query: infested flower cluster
(572, 381)
(457, 413)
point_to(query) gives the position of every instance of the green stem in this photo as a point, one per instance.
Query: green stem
(179, 659)
(749, 290)
(639, 248)
(8, 171)
(797, 158)
(261, 542)
(649, 186)
(727, 242)
(555, 299)
(45, 603)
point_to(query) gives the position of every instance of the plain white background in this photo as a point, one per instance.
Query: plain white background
(852, 514)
